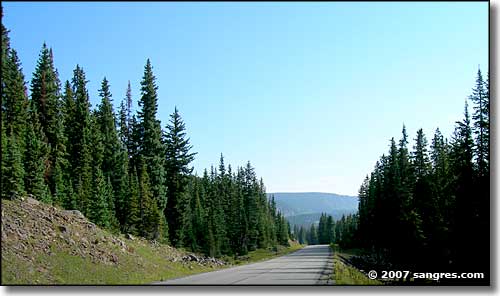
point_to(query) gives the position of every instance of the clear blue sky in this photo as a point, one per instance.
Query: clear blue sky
(310, 93)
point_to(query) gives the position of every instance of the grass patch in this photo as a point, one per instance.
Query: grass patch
(62, 268)
(42, 244)
(348, 275)
(344, 274)
(145, 266)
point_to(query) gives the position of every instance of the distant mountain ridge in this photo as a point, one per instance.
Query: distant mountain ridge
(304, 208)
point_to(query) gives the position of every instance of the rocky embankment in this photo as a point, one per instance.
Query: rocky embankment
(31, 230)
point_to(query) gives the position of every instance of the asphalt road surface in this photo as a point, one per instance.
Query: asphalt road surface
(311, 265)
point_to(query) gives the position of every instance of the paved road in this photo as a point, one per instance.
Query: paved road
(309, 266)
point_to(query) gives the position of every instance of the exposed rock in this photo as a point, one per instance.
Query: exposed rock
(91, 226)
(74, 212)
(31, 227)
(113, 258)
(62, 228)
(31, 200)
(121, 243)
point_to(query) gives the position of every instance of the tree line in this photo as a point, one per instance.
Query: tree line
(121, 170)
(328, 231)
(428, 209)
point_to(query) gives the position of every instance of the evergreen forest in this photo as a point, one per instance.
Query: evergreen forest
(424, 207)
(127, 173)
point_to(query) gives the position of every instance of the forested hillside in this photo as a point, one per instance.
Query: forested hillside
(429, 208)
(126, 172)
(298, 203)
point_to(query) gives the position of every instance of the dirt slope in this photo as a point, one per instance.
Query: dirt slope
(42, 244)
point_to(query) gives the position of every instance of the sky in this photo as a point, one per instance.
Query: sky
(309, 93)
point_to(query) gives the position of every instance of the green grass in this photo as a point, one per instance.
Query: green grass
(62, 268)
(144, 266)
(344, 274)
(82, 255)
(347, 275)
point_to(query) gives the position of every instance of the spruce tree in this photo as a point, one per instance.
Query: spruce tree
(177, 168)
(79, 135)
(114, 153)
(481, 202)
(98, 204)
(149, 208)
(13, 172)
(35, 157)
(45, 93)
(442, 194)
(151, 147)
(14, 100)
(63, 172)
(465, 208)
(133, 216)
(313, 235)
(329, 229)
(480, 117)
(5, 42)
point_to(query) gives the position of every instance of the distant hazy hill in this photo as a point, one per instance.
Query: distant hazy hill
(304, 208)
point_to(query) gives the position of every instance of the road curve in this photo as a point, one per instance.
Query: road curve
(311, 265)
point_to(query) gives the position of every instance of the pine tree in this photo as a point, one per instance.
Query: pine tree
(98, 210)
(241, 227)
(329, 229)
(178, 158)
(365, 210)
(45, 93)
(149, 208)
(195, 237)
(106, 124)
(13, 172)
(13, 119)
(251, 206)
(79, 134)
(14, 100)
(151, 147)
(313, 235)
(125, 119)
(465, 208)
(405, 174)
(133, 216)
(134, 142)
(35, 157)
(322, 231)
(5, 42)
(480, 98)
(98, 206)
(114, 154)
(442, 194)
(63, 171)
(481, 203)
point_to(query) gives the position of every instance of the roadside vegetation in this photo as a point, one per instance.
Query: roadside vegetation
(42, 244)
(344, 273)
